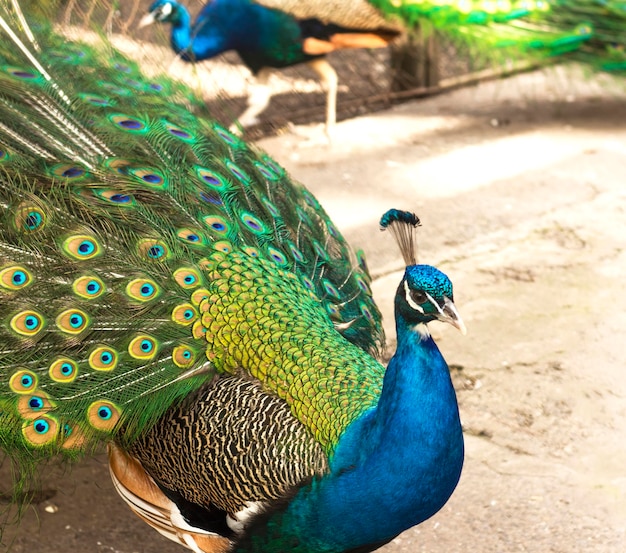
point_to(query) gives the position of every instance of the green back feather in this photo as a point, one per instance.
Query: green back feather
(143, 247)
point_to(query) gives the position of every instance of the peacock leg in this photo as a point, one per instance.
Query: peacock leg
(258, 99)
(328, 76)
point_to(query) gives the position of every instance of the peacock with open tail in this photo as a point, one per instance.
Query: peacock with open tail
(169, 291)
(279, 33)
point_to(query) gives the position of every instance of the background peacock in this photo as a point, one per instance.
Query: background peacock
(169, 291)
(275, 34)
(278, 33)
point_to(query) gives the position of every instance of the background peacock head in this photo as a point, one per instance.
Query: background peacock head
(164, 11)
(425, 293)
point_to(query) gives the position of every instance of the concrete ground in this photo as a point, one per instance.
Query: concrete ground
(520, 185)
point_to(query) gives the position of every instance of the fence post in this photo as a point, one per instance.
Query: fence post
(415, 60)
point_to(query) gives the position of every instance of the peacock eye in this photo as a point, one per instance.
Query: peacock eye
(418, 296)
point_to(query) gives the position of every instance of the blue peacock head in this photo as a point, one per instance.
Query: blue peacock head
(425, 293)
(163, 11)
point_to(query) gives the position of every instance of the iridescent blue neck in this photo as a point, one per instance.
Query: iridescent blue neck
(191, 44)
(395, 466)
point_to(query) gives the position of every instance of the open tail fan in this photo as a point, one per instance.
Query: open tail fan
(119, 201)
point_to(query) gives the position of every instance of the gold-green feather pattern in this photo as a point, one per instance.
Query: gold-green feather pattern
(143, 249)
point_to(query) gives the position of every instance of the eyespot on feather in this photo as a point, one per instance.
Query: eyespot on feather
(128, 123)
(183, 356)
(362, 284)
(73, 437)
(88, 287)
(34, 405)
(210, 178)
(103, 415)
(332, 230)
(320, 251)
(152, 249)
(238, 172)
(142, 289)
(266, 171)
(150, 177)
(192, 237)
(22, 74)
(23, 381)
(206, 264)
(227, 136)
(303, 216)
(103, 358)
(277, 256)
(116, 197)
(308, 283)
(72, 321)
(272, 165)
(218, 225)
(273, 210)
(41, 431)
(63, 370)
(143, 347)
(81, 247)
(252, 252)
(29, 218)
(27, 323)
(118, 164)
(198, 330)
(178, 132)
(15, 278)
(68, 171)
(184, 314)
(330, 289)
(223, 246)
(366, 312)
(95, 99)
(297, 254)
(186, 278)
(253, 223)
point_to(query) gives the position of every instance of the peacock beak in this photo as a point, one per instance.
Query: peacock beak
(146, 20)
(449, 314)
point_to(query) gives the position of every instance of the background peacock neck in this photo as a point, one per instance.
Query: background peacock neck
(192, 45)
(181, 31)
(393, 467)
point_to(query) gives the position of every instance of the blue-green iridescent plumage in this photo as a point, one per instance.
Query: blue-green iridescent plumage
(156, 268)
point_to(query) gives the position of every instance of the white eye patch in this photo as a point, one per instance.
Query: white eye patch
(409, 300)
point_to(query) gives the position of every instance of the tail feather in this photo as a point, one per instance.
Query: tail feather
(118, 194)
(591, 31)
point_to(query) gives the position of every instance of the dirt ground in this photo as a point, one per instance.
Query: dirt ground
(520, 185)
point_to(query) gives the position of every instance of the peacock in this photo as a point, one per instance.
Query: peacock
(273, 34)
(278, 33)
(167, 290)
